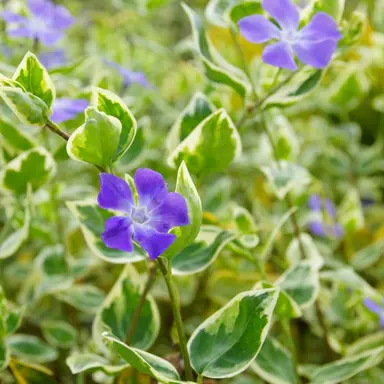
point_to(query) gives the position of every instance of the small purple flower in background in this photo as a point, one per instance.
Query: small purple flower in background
(53, 59)
(129, 77)
(47, 22)
(67, 109)
(318, 226)
(374, 307)
(313, 45)
(147, 222)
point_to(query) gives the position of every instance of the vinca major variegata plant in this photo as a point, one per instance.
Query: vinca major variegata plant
(191, 192)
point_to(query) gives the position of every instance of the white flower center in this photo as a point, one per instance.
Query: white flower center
(139, 215)
(289, 36)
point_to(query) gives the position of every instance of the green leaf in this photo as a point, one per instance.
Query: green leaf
(112, 105)
(84, 297)
(286, 308)
(248, 8)
(311, 252)
(301, 282)
(216, 68)
(334, 8)
(144, 362)
(244, 221)
(28, 108)
(97, 140)
(226, 343)
(368, 256)
(81, 362)
(31, 349)
(32, 75)
(15, 138)
(14, 241)
(115, 315)
(59, 333)
(210, 147)
(366, 343)
(186, 234)
(92, 221)
(194, 113)
(217, 10)
(343, 369)
(14, 318)
(284, 177)
(303, 85)
(34, 167)
(199, 255)
(275, 364)
(5, 355)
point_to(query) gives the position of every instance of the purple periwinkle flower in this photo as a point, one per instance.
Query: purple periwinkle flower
(314, 44)
(47, 22)
(129, 77)
(148, 221)
(374, 307)
(65, 109)
(319, 226)
(53, 59)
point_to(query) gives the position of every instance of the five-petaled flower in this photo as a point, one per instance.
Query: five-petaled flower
(148, 221)
(320, 227)
(375, 307)
(313, 45)
(65, 109)
(129, 77)
(47, 22)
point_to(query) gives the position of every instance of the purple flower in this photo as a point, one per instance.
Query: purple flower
(319, 226)
(47, 22)
(53, 59)
(374, 307)
(313, 45)
(67, 109)
(149, 220)
(129, 77)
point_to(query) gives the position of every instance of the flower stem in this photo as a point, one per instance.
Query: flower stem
(55, 129)
(166, 270)
(200, 379)
(136, 316)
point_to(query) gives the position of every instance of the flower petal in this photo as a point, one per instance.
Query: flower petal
(11, 17)
(317, 228)
(153, 242)
(279, 55)
(257, 29)
(53, 59)
(373, 306)
(330, 208)
(338, 230)
(42, 9)
(284, 12)
(151, 187)
(20, 31)
(62, 18)
(314, 202)
(317, 55)
(172, 212)
(118, 233)
(321, 27)
(50, 36)
(115, 193)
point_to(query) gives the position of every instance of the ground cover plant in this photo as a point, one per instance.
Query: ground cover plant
(191, 192)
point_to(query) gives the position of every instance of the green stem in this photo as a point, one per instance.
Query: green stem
(200, 379)
(7, 226)
(136, 316)
(55, 129)
(166, 270)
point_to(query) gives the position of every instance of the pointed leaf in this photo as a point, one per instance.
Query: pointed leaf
(226, 343)
(115, 315)
(59, 333)
(96, 141)
(32, 75)
(144, 362)
(202, 253)
(210, 147)
(275, 364)
(112, 105)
